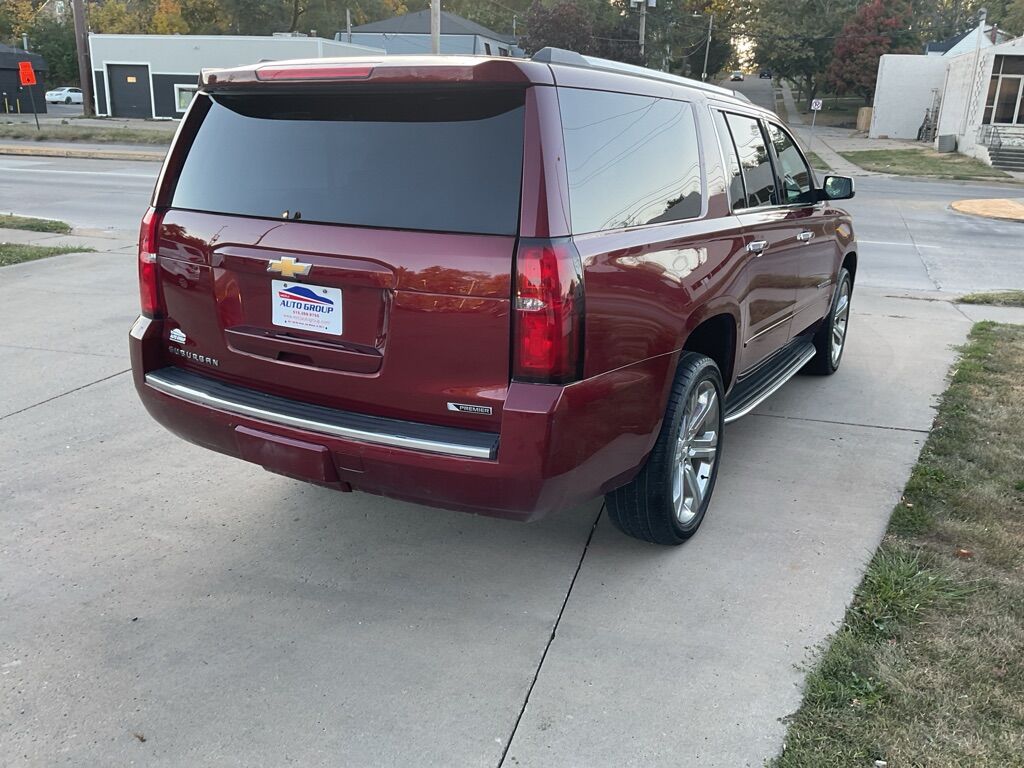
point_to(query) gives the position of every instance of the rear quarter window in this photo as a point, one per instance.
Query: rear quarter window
(438, 161)
(631, 160)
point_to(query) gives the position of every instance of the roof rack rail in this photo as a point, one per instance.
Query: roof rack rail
(574, 59)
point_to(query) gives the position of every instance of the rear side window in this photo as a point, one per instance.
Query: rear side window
(631, 160)
(431, 161)
(737, 194)
(758, 175)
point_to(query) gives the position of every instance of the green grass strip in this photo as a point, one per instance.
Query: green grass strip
(8, 221)
(13, 253)
(927, 668)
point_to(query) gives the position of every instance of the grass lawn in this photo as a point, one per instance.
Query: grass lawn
(927, 668)
(924, 162)
(997, 298)
(836, 112)
(11, 253)
(817, 163)
(25, 131)
(8, 221)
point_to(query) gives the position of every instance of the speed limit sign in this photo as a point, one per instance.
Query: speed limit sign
(816, 105)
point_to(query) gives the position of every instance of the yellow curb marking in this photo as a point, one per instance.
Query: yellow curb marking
(993, 209)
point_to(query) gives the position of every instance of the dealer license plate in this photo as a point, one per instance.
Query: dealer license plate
(307, 307)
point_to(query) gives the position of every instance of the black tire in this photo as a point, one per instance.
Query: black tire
(826, 361)
(646, 508)
(67, 100)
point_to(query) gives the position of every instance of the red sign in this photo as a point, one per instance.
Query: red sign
(26, 73)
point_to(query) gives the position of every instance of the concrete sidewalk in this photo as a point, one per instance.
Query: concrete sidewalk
(98, 240)
(165, 605)
(817, 141)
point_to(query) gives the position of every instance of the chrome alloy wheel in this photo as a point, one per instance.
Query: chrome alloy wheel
(696, 452)
(840, 318)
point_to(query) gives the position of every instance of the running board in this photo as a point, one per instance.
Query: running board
(764, 381)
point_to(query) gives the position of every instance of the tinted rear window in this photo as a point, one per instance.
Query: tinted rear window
(631, 159)
(432, 161)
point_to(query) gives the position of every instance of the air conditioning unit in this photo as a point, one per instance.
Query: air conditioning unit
(946, 143)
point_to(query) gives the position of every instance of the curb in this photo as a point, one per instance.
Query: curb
(89, 154)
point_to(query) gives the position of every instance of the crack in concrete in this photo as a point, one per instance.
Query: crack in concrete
(551, 639)
(917, 250)
(61, 351)
(62, 394)
(841, 423)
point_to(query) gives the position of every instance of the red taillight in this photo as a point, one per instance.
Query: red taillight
(149, 281)
(548, 343)
(313, 71)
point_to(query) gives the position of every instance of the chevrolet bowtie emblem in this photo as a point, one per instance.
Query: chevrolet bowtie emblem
(289, 267)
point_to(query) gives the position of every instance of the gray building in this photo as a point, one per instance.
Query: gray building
(410, 34)
(157, 75)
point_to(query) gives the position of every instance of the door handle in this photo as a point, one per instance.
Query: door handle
(805, 236)
(757, 247)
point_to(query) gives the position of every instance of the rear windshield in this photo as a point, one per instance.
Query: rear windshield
(434, 161)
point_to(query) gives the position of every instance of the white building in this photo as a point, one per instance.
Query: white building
(976, 99)
(156, 75)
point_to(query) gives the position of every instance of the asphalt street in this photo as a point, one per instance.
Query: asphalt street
(96, 194)
(911, 239)
(163, 605)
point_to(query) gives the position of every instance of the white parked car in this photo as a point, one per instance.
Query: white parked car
(64, 96)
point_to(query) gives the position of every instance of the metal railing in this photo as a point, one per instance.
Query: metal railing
(989, 136)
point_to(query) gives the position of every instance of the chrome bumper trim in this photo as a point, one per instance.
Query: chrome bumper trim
(194, 395)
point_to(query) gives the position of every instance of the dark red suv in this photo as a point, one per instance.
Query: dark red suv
(498, 285)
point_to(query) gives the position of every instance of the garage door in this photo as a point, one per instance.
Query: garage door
(129, 90)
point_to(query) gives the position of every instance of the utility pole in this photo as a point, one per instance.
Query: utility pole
(643, 28)
(348, 24)
(435, 26)
(707, 49)
(24, 41)
(642, 36)
(82, 47)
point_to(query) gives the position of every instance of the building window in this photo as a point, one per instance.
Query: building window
(183, 96)
(487, 48)
(1004, 103)
(503, 51)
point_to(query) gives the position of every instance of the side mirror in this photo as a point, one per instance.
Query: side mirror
(836, 188)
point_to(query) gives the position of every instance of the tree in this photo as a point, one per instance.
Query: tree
(54, 39)
(877, 27)
(1013, 18)
(167, 19)
(114, 17)
(19, 14)
(203, 17)
(795, 38)
(566, 24)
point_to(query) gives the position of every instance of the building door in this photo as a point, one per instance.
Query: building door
(129, 90)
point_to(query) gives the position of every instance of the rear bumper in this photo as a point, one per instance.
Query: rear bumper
(558, 446)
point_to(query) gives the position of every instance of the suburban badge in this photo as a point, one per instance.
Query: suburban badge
(178, 336)
(289, 267)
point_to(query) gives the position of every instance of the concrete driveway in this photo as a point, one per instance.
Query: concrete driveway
(164, 605)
